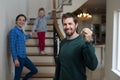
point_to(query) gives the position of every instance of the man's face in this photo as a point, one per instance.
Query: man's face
(20, 21)
(69, 26)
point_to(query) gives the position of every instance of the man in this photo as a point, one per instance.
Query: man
(76, 51)
(18, 49)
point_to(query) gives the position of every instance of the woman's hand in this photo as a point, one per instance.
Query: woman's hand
(87, 33)
(32, 33)
(16, 62)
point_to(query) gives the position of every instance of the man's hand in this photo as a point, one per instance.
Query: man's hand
(16, 62)
(87, 33)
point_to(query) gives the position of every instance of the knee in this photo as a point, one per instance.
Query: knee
(35, 71)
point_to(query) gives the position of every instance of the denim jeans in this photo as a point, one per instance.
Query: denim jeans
(28, 64)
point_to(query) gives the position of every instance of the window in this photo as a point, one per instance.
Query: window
(116, 43)
(118, 59)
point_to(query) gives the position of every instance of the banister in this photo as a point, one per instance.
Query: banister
(55, 21)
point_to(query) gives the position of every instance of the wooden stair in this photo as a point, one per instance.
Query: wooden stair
(48, 61)
(37, 54)
(38, 46)
(41, 75)
(44, 62)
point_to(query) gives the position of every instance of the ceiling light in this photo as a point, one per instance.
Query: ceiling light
(84, 16)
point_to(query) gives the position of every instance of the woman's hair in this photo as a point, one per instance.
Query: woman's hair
(20, 16)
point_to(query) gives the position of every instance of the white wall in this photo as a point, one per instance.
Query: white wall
(34, 5)
(111, 6)
(2, 20)
(9, 9)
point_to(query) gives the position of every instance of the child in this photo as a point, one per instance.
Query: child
(40, 24)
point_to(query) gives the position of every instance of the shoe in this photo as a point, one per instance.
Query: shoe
(43, 52)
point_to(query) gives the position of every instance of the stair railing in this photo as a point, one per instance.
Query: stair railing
(58, 36)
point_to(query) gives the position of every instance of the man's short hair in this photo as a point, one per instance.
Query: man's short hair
(70, 15)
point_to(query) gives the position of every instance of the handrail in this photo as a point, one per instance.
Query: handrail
(55, 21)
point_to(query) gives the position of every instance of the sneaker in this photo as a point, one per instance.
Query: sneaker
(43, 52)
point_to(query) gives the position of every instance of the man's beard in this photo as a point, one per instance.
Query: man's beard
(70, 33)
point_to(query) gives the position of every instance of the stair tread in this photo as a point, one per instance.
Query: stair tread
(35, 30)
(44, 63)
(47, 24)
(34, 45)
(41, 75)
(35, 37)
(37, 54)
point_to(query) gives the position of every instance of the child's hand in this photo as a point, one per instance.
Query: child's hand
(32, 33)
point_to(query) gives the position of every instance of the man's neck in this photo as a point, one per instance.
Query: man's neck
(73, 36)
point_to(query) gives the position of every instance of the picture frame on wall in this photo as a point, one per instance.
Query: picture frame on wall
(67, 1)
(63, 2)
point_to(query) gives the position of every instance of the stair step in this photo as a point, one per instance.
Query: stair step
(41, 69)
(41, 58)
(37, 50)
(38, 46)
(36, 54)
(40, 79)
(33, 24)
(29, 27)
(47, 34)
(35, 30)
(32, 41)
(35, 37)
(41, 75)
(49, 22)
(44, 63)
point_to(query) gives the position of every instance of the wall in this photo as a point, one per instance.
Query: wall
(34, 5)
(111, 6)
(8, 13)
(2, 20)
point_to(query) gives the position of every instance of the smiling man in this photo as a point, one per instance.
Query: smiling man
(76, 52)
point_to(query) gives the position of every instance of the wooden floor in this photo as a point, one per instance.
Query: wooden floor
(98, 74)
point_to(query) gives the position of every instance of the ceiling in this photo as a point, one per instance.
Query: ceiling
(93, 7)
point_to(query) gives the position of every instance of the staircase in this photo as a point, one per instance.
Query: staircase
(44, 62)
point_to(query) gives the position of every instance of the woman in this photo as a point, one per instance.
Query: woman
(18, 49)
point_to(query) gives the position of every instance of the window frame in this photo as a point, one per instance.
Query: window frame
(116, 43)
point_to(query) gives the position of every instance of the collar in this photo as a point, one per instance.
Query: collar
(18, 27)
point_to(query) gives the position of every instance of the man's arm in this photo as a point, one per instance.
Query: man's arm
(89, 56)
